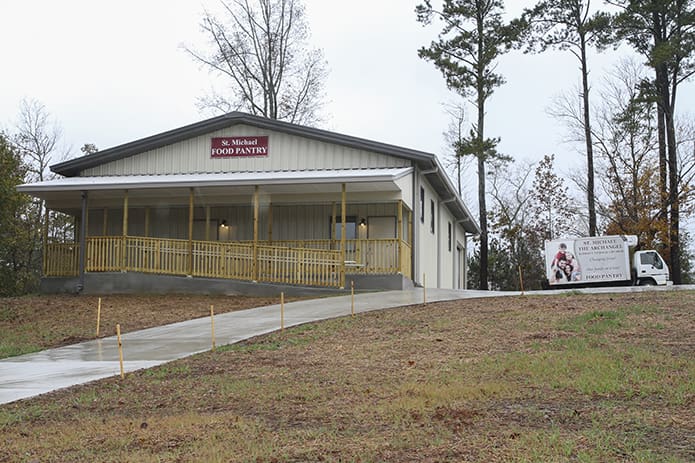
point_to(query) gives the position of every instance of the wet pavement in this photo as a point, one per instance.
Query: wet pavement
(33, 374)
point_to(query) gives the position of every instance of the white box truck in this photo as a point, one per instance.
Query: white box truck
(602, 261)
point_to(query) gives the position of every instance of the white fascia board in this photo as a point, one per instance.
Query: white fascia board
(455, 197)
(212, 180)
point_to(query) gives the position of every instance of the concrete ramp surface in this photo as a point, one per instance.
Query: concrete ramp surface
(33, 374)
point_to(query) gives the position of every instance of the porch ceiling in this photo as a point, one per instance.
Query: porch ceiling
(64, 194)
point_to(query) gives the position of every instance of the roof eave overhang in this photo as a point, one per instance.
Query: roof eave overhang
(437, 177)
(73, 167)
(212, 180)
(426, 162)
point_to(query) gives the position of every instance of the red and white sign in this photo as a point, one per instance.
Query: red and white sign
(238, 147)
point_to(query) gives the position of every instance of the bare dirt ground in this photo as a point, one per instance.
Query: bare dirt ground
(571, 378)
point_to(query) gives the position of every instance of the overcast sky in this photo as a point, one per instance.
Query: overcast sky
(113, 72)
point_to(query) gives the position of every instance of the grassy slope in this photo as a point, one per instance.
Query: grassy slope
(553, 378)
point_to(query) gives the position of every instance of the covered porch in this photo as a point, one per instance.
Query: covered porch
(310, 228)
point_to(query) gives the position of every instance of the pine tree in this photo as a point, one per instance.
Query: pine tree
(466, 52)
(663, 31)
(568, 25)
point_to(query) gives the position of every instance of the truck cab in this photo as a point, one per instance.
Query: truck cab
(649, 269)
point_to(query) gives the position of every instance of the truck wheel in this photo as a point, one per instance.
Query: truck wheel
(647, 282)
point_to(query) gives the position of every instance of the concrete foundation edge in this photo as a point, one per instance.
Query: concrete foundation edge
(138, 283)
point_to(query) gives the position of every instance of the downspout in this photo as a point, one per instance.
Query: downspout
(463, 269)
(415, 261)
(465, 258)
(453, 243)
(434, 170)
(454, 257)
(83, 243)
(438, 231)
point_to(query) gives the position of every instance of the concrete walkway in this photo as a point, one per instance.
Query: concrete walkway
(33, 374)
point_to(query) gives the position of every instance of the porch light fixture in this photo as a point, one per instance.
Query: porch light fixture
(223, 224)
(363, 223)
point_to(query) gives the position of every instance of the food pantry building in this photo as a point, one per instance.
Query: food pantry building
(243, 204)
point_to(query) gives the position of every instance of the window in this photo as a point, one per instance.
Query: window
(449, 236)
(350, 227)
(432, 215)
(651, 258)
(422, 205)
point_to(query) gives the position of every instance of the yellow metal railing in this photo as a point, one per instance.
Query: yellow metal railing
(371, 256)
(104, 254)
(406, 260)
(314, 267)
(310, 262)
(61, 259)
(155, 255)
(223, 260)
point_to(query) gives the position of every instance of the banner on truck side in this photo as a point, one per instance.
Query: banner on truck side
(587, 260)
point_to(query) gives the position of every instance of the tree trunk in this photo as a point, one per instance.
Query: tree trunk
(663, 177)
(483, 224)
(591, 200)
(480, 101)
(458, 172)
(674, 200)
(667, 149)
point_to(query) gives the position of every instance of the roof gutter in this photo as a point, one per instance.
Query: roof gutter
(88, 183)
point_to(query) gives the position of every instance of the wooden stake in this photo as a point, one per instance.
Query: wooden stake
(352, 289)
(98, 316)
(212, 324)
(120, 349)
(282, 312)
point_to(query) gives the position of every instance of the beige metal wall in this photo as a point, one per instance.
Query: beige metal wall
(426, 246)
(286, 152)
(405, 184)
(432, 250)
(446, 256)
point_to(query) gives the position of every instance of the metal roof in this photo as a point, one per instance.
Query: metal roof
(216, 179)
(73, 167)
(426, 162)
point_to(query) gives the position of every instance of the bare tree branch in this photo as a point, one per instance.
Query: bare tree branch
(260, 48)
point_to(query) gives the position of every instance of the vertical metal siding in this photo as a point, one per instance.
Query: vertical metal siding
(405, 183)
(426, 245)
(446, 258)
(286, 152)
